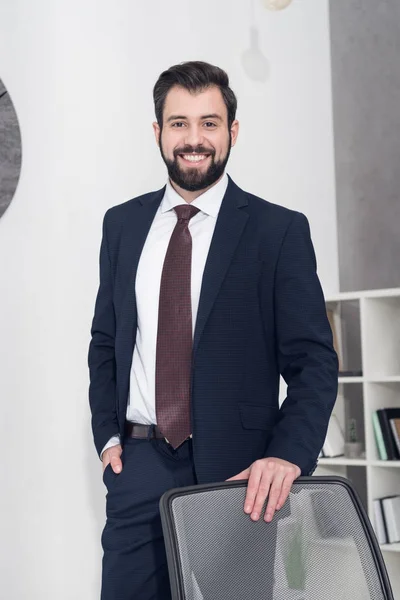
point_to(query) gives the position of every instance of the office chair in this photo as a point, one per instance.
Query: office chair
(319, 546)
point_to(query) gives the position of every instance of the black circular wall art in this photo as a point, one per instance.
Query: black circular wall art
(10, 150)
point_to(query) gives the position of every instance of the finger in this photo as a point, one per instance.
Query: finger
(253, 489)
(116, 463)
(286, 487)
(242, 475)
(267, 479)
(274, 495)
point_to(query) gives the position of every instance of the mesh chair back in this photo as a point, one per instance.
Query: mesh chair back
(319, 546)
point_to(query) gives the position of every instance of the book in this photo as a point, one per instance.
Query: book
(391, 513)
(380, 444)
(384, 415)
(380, 526)
(395, 426)
(335, 323)
(388, 440)
(334, 441)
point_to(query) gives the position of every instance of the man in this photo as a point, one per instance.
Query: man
(207, 294)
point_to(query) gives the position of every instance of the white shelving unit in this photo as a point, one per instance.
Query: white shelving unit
(375, 317)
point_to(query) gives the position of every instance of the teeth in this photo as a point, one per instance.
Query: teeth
(194, 157)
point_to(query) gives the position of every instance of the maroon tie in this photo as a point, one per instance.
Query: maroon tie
(174, 335)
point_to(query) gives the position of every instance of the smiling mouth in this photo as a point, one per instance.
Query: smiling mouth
(194, 159)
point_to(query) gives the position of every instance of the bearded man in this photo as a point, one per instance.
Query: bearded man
(207, 295)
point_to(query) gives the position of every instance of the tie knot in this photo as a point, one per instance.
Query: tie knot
(186, 211)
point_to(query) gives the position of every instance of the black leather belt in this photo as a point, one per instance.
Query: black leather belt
(140, 430)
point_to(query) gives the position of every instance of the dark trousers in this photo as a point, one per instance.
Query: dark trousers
(134, 561)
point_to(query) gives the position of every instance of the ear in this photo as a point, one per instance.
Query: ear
(234, 131)
(157, 132)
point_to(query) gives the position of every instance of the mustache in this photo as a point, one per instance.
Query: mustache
(197, 149)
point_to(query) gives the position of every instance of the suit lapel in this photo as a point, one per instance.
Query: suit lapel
(137, 229)
(228, 230)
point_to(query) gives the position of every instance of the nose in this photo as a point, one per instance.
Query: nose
(194, 136)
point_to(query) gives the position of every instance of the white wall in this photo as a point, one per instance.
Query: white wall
(81, 76)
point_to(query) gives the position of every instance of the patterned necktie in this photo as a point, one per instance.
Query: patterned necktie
(174, 335)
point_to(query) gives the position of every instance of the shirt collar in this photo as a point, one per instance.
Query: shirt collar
(209, 202)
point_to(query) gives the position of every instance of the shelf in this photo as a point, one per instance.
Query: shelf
(384, 379)
(390, 547)
(359, 462)
(375, 379)
(345, 296)
(366, 325)
(384, 463)
(388, 293)
(341, 460)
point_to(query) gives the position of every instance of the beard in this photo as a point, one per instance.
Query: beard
(194, 180)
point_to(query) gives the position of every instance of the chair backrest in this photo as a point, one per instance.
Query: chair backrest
(319, 546)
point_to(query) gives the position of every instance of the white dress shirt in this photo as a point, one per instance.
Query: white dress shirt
(142, 401)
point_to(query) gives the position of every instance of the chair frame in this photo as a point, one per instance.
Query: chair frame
(171, 541)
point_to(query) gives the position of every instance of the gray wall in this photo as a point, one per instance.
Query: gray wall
(365, 49)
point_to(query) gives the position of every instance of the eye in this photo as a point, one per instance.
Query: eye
(209, 123)
(177, 124)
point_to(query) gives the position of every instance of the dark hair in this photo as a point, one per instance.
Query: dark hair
(194, 76)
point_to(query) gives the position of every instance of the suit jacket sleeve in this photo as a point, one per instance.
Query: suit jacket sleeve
(306, 357)
(101, 357)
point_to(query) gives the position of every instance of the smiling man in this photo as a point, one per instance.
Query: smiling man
(207, 294)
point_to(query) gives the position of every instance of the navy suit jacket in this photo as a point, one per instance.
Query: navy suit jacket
(261, 314)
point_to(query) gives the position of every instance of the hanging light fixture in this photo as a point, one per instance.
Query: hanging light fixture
(254, 62)
(276, 4)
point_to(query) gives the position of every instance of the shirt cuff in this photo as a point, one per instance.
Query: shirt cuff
(114, 441)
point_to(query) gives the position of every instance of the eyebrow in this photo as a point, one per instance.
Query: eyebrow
(211, 116)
